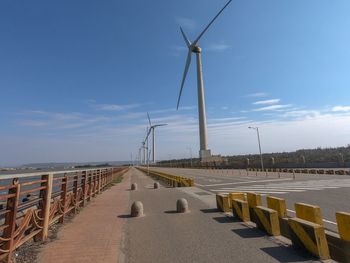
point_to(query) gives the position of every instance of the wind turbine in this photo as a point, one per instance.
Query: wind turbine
(152, 128)
(145, 147)
(204, 152)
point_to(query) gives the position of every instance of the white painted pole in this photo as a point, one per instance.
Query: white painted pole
(153, 146)
(261, 159)
(204, 152)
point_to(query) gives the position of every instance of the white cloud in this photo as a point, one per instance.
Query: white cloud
(266, 102)
(341, 108)
(301, 113)
(217, 47)
(257, 94)
(187, 107)
(273, 107)
(115, 107)
(225, 119)
(180, 48)
(303, 128)
(181, 108)
(186, 23)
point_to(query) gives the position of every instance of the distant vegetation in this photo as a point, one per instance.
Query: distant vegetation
(93, 165)
(320, 157)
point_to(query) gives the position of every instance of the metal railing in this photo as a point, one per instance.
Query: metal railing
(30, 203)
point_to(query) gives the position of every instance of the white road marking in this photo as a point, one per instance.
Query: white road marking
(248, 182)
(260, 192)
(288, 187)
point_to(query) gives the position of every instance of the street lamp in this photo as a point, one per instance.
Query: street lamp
(257, 132)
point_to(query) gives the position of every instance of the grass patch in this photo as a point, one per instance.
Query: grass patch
(117, 180)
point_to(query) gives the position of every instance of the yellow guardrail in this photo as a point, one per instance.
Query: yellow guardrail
(172, 180)
(305, 230)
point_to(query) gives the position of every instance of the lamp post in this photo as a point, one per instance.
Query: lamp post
(257, 132)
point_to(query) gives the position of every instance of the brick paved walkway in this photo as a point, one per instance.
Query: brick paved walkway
(94, 235)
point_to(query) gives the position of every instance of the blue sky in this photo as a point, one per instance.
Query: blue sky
(77, 77)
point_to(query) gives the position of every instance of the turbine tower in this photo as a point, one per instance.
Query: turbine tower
(152, 128)
(204, 152)
(144, 147)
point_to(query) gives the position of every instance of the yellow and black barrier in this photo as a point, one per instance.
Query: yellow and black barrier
(236, 195)
(279, 204)
(343, 222)
(172, 180)
(267, 220)
(310, 236)
(240, 209)
(306, 230)
(308, 212)
(339, 244)
(223, 202)
(254, 200)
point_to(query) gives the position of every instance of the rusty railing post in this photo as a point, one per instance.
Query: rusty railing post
(46, 194)
(83, 187)
(103, 180)
(99, 181)
(96, 183)
(90, 185)
(10, 219)
(93, 183)
(110, 176)
(75, 192)
(63, 197)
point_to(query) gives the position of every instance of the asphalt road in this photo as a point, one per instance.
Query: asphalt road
(203, 235)
(330, 192)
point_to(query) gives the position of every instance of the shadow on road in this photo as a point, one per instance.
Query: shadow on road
(248, 233)
(210, 210)
(226, 219)
(124, 216)
(171, 212)
(287, 254)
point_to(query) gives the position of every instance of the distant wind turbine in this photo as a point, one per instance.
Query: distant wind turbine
(194, 47)
(144, 146)
(152, 129)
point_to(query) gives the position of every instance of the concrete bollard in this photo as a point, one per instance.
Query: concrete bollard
(134, 186)
(156, 185)
(137, 209)
(182, 206)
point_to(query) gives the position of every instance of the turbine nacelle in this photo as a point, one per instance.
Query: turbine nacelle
(196, 49)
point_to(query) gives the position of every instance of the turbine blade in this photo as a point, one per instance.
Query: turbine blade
(149, 120)
(148, 133)
(188, 42)
(212, 21)
(159, 125)
(188, 62)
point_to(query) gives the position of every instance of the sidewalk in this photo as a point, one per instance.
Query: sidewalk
(94, 235)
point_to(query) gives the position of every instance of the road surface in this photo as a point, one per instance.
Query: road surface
(330, 192)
